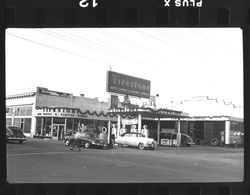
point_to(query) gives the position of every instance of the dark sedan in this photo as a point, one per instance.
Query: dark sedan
(89, 139)
(14, 133)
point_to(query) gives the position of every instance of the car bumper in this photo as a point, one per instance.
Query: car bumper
(16, 139)
(99, 144)
(152, 145)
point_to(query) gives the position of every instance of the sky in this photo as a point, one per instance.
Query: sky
(180, 62)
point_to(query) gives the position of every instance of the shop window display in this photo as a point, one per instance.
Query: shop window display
(47, 126)
(8, 121)
(27, 125)
(69, 125)
(17, 122)
(38, 126)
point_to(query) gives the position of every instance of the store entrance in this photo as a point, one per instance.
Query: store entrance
(58, 132)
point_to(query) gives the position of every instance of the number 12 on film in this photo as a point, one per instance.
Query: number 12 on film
(85, 3)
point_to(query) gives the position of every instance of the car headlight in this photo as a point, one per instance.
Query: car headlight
(149, 142)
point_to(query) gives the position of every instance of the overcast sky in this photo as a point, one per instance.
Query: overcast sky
(180, 63)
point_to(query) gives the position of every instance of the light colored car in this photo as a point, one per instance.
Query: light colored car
(136, 140)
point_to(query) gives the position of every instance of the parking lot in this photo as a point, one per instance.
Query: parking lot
(43, 161)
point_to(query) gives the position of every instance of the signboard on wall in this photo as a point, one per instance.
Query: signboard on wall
(130, 121)
(127, 85)
(45, 91)
(68, 113)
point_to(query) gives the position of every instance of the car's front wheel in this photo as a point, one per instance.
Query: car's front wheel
(67, 142)
(86, 145)
(141, 146)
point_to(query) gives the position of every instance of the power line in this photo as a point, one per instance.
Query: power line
(55, 48)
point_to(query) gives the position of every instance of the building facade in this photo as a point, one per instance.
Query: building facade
(47, 113)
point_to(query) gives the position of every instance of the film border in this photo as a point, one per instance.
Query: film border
(118, 13)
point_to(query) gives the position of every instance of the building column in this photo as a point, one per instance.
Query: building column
(42, 125)
(179, 132)
(65, 127)
(118, 125)
(227, 132)
(158, 131)
(52, 122)
(109, 129)
(139, 123)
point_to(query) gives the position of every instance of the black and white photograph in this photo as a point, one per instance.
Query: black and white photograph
(124, 105)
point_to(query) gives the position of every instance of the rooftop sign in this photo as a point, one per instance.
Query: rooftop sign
(127, 85)
(44, 91)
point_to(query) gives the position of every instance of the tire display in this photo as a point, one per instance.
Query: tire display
(214, 142)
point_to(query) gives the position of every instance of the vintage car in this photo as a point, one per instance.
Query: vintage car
(14, 133)
(68, 138)
(136, 140)
(170, 139)
(89, 139)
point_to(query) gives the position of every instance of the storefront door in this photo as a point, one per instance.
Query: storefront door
(58, 132)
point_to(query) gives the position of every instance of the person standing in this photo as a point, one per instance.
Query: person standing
(77, 140)
(144, 131)
(133, 129)
(123, 129)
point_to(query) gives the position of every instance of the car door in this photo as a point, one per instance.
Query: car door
(122, 139)
(133, 140)
(127, 139)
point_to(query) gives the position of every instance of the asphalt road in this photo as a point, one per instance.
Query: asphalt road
(49, 161)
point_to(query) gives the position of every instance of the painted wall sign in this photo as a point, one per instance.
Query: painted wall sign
(127, 85)
(60, 112)
(129, 121)
(44, 91)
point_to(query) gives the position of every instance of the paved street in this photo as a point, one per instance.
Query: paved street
(43, 161)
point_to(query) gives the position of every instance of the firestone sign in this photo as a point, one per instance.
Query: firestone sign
(127, 85)
(60, 112)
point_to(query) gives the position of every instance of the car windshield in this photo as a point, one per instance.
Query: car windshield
(89, 135)
(140, 135)
(15, 130)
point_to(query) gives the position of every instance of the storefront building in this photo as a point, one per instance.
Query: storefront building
(47, 113)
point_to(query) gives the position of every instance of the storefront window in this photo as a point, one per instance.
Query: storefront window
(47, 126)
(29, 111)
(9, 111)
(22, 111)
(70, 125)
(76, 123)
(27, 125)
(8, 121)
(38, 126)
(17, 122)
(17, 112)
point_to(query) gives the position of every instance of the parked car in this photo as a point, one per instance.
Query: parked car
(89, 139)
(68, 138)
(14, 133)
(170, 139)
(136, 140)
